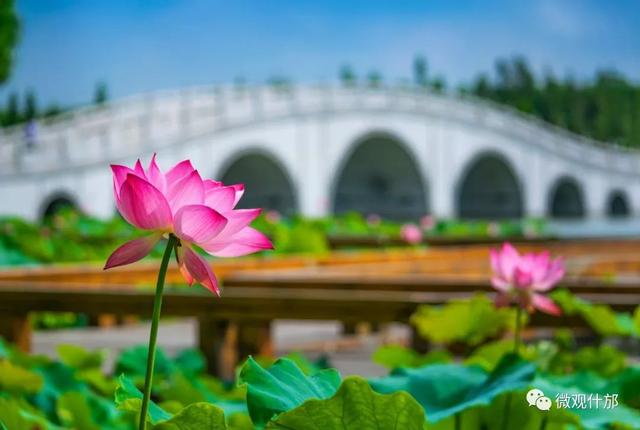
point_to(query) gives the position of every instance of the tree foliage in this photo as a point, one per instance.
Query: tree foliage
(9, 32)
(606, 108)
(101, 93)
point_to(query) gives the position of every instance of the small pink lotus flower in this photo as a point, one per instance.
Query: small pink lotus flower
(427, 222)
(521, 278)
(198, 212)
(411, 234)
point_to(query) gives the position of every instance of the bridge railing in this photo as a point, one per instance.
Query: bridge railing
(150, 122)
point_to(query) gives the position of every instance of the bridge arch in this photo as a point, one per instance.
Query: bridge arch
(618, 204)
(489, 188)
(268, 185)
(55, 202)
(566, 199)
(380, 174)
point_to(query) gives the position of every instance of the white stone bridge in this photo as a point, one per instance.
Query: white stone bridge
(317, 150)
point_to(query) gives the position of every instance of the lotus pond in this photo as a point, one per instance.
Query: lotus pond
(69, 236)
(470, 379)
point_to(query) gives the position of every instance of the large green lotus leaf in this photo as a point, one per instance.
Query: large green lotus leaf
(222, 390)
(133, 363)
(129, 398)
(79, 358)
(469, 320)
(626, 324)
(601, 318)
(489, 355)
(308, 367)
(97, 380)
(283, 387)
(197, 416)
(17, 380)
(446, 389)
(186, 390)
(604, 321)
(603, 359)
(569, 303)
(626, 383)
(190, 362)
(17, 415)
(239, 422)
(75, 411)
(521, 416)
(183, 389)
(585, 381)
(394, 356)
(4, 349)
(355, 406)
(58, 379)
(594, 418)
(29, 361)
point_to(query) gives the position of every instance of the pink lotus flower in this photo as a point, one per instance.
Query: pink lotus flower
(411, 234)
(521, 278)
(198, 212)
(428, 222)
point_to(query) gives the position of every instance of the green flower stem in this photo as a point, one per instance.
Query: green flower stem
(458, 421)
(516, 333)
(545, 420)
(153, 336)
(505, 415)
(516, 348)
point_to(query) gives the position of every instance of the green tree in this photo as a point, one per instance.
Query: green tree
(101, 93)
(280, 83)
(347, 76)
(438, 84)
(9, 33)
(11, 114)
(606, 107)
(482, 86)
(420, 77)
(30, 106)
(52, 110)
(374, 79)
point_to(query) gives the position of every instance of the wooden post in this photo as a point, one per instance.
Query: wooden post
(214, 341)
(254, 338)
(349, 328)
(16, 329)
(418, 343)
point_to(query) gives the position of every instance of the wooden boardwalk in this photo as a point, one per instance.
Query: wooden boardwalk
(371, 286)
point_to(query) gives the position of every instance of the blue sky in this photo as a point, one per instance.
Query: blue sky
(137, 46)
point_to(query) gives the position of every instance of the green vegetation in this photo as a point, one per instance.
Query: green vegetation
(434, 391)
(606, 108)
(69, 236)
(9, 35)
